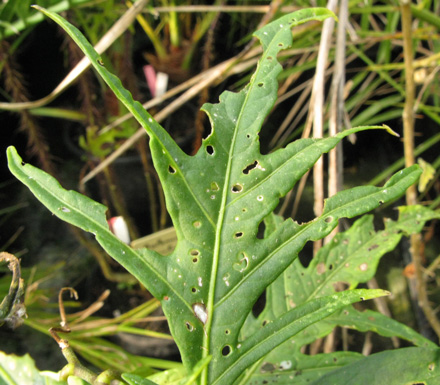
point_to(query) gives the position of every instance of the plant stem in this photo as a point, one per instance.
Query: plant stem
(337, 107)
(317, 104)
(408, 116)
(174, 26)
(408, 140)
(335, 166)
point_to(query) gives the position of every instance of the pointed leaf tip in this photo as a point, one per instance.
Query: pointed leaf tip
(390, 130)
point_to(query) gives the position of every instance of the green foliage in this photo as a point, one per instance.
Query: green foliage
(217, 199)
(15, 16)
(350, 258)
(134, 379)
(403, 366)
(101, 145)
(22, 371)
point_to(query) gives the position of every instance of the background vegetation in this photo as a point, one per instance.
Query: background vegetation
(384, 69)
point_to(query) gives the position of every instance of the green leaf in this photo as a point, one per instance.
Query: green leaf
(134, 379)
(217, 199)
(369, 320)
(351, 258)
(394, 367)
(300, 369)
(16, 370)
(81, 211)
(427, 175)
(201, 365)
(168, 377)
(289, 324)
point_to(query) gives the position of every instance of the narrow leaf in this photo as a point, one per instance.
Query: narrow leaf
(369, 320)
(393, 367)
(89, 215)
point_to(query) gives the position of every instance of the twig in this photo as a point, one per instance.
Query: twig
(220, 8)
(368, 345)
(408, 115)
(411, 193)
(337, 102)
(74, 366)
(317, 104)
(106, 41)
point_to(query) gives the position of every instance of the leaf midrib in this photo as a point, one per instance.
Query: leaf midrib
(223, 207)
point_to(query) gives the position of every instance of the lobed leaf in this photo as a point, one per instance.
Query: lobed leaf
(351, 258)
(89, 215)
(216, 200)
(276, 332)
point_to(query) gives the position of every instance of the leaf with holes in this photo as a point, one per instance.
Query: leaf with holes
(300, 370)
(411, 366)
(217, 199)
(349, 259)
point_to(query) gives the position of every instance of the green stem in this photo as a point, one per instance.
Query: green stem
(174, 27)
(75, 365)
(425, 15)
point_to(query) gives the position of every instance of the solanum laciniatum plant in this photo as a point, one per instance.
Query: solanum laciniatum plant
(222, 264)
